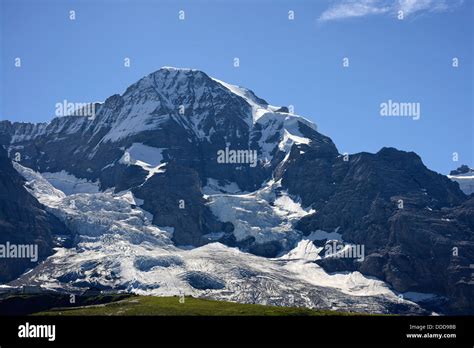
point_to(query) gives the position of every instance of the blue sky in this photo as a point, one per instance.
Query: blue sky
(297, 62)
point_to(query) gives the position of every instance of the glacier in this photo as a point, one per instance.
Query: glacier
(117, 248)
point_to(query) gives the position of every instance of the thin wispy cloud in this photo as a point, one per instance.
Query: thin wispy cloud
(353, 8)
(361, 8)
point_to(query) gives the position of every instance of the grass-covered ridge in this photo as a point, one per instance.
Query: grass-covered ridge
(171, 306)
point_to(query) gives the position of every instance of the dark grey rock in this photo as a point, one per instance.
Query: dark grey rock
(23, 221)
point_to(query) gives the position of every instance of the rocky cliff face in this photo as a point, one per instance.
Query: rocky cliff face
(162, 138)
(23, 222)
(399, 210)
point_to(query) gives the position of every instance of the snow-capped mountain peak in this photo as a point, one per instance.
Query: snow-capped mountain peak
(270, 181)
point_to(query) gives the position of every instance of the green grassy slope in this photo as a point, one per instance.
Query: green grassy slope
(170, 306)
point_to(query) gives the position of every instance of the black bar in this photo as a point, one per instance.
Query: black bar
(290, 331)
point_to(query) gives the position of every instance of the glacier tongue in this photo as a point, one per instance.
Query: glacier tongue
(118, 248)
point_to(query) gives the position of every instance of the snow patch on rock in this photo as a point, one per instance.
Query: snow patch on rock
(465, 181)
(147, 157)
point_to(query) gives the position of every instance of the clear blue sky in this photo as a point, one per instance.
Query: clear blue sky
(286, 62)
